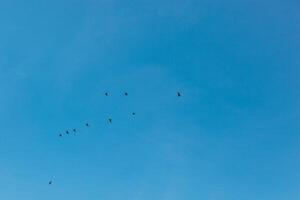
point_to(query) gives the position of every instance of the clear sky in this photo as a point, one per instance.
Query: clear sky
(233, 135)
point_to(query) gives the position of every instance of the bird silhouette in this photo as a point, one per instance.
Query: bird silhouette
(87, 124)
(74, 130)
(67, 132)
(126, 94)
(133, 113)
(50, 183)
(110, 120)
(178, 94)
(60, 135)
(106, 94)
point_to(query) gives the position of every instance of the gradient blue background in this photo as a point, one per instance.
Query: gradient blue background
(234, 135)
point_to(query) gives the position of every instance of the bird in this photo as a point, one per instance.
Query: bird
(87, 124)
(74, 130)
(67, 132)
(126, 94)
(50, 183)
(178, 94)
(133, 113)
(106, 94)
(110, 120)
(60, 135)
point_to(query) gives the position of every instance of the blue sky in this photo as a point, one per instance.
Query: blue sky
(233, 135)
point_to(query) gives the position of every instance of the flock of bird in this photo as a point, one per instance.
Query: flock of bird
(74, 130)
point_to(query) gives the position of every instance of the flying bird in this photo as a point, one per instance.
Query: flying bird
(126, 94)
(87, 124)
(50, 183)
(178, 94)
(67, 132)
(106, 94)
(133, 113)
(60, 135)
(110, 120)
(74, 130)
